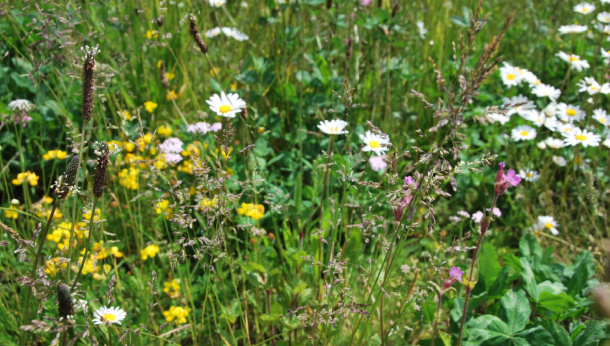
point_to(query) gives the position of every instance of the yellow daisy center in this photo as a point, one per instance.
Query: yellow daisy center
(602, 120)
(374, 144)
(510, 76)
(524, 133)
(108, 317)
(594, 87)
(530, 175)
(548, 225)
(585, 10)
(571, 112)
(224, 109)
(581, 137)
(332, 129)
(574, 58)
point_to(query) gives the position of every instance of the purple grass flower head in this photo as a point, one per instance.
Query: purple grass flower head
(377, 163)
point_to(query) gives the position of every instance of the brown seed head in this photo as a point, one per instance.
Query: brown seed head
(196, 36)
(65, 301)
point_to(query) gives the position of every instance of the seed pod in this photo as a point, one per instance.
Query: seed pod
(67, 180)
(88, 84)
(99, 175)
(65, 301)
(196, 36)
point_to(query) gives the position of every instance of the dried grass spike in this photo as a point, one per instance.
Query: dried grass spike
(197, 36)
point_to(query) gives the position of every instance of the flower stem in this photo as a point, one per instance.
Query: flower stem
(91, 228)
(320, 255)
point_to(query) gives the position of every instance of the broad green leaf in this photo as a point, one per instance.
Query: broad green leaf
(555, 302)
(536, 336)
(516, 310)
(578, 281)
(558, 333)
(529, 247)
(445, 338)
(497, 289)
(553, 287)
(529, 281)
(591, 335)
(489, 266)
(512, 261)
(487, 330)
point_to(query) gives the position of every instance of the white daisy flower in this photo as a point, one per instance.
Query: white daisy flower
(589, 85)
(226, 105)
(235, 34)
(531, 78)
(518, 104)
(601, 116)
(583, 137)
(605, 29)
(569, 113)
(550, 110)
(523, 133)
(544, 90)
(574, 61)
(605, 55)
(541, 145)
(333, 127)
(217, 3)
(498, 118)
(606, 143)
(560, 161)
(529, 174)
(603, 17)
(554, 143)
(567, 129)
(511, 76)
(375, 143)
(213, 32)
(549, 223)
(572, 29)
(20, 105)
(584, 8)
(110, 315)
(605, 89)
(539, 119)
(421, 29)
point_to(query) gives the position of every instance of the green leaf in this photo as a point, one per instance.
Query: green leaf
(529, 281)
(555, 302)
(536, 336)
(445, 338)
(553, 287)
(582, 273)
(591, 335)
(529, 247)
(512, 261)
(558, 333)
(253, 266)
(487, 330)
(490, 268)
(516, 310)
(497, 289)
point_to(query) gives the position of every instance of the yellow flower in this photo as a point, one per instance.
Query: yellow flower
(171, 95)
(128, 146)
(149, 251)
(150, 106)
(208, 203)
(191, 148)
(177, 313)
(164, 130)
(162, 207)
(255, 211)
(160, 162)
(87, 214)
(169, 75)
(468, 284)
(125, 114)
(172, 288)
(186, 167)
(54, 154)
(53, 265)
(128, 177)
(114, 251)
(233, 86)
(29, 177)
(11, 213)
(150, 34)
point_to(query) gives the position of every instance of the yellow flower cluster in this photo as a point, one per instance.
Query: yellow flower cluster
(11, 212)
(43, 211)
(170, 75)
(100, 252)
(128, 177)
(192, 148)
(28, 176)
(149, 252)
(54, 154)
(255, 211)
(171, 95)
(164, 130)
(150, 34)
(177, 313)
(150, 106)
(53, 265)
(172, 288)
(162, 207)
(208, 203)
(126, 114)
(90, 267)
(61, 234)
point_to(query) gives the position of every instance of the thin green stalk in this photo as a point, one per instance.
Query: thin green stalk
(91, 228)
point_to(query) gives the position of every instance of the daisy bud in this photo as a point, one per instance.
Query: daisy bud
(196, 36)
(65, 301)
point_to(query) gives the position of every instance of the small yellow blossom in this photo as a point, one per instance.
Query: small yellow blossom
(54, 154)
(172, 288)
(149, 252)
(164, 130)
(177, 313)
(162, 207)
(186, 167)
(114, 251)
(233, 86)
(29, 177)
(171, 95)
(126, 114)
(169, 75)
(128, 146)
(150, 34)
(255, 211)
(160, 162)
(150, 106)
(11, 213)
(128, 177)
(53, 265)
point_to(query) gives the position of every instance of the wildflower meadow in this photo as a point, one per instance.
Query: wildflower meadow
(305, 172)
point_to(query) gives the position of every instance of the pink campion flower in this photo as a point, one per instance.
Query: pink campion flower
(408, 180)
(377, 163)
(496, 212)
(455, 274)
(503, 181)
(366, 2)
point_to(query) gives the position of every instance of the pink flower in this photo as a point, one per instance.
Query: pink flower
(496, 212)
(503, 181)
(408, 180)
(477, 217)
(366, 2)
(456, 273)
(378, 163)
(171, 146)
